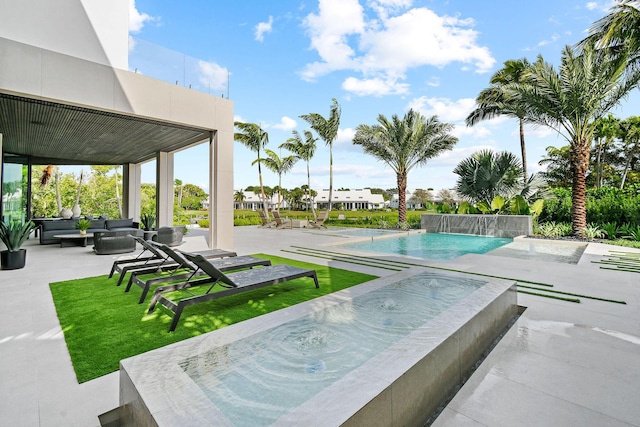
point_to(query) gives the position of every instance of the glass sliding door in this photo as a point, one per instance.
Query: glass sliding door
(15, 189)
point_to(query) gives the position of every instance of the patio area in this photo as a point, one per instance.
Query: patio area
(561, 364)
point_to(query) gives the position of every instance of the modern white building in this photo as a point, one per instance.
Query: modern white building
(350, 199)
(67, 97)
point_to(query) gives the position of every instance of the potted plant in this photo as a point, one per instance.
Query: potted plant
(83, 225)
(13, 235)
(148, 221)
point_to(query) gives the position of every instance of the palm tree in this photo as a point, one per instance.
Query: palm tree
(558, 163)
(496, 101)
(570, 101)
(403, 144)
(630, 136)
(618, 32)
(278, 165)
(303, 150)
(327, 130)
(178, 184)
(487, 174)
(255, 139)
(239, 197)
(607, 128)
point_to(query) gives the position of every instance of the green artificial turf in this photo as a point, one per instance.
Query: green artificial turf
(102, 324)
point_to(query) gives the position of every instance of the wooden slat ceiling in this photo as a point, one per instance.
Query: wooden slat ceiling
(55, 133)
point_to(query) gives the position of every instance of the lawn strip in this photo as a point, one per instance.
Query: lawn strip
(574, 295)
(550, 296)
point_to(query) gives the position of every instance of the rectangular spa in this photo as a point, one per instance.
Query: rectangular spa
(386, 352)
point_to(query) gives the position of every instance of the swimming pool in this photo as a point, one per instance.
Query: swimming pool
(361, 356)
(433, 246)
(367, 232)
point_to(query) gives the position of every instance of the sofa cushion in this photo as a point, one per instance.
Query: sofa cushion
(98, 223)
(119, 223)
(62, 224)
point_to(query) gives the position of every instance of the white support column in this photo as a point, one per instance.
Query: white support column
(164, 188)
(221, 190)
(131, 196)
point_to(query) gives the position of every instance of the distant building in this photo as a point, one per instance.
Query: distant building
(350, 199)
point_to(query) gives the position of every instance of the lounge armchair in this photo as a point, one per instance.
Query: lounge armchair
(187, 271)
(281, 223)
(113, 242)
(170, 236)
(234, 283)
(319, 222)
(265, 221)
(165, 263)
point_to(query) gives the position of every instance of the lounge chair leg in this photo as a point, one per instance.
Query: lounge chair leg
(176, 318)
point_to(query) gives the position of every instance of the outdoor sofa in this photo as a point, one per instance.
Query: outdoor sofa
(68, 226)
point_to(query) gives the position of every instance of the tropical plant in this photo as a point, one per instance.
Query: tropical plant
(255, 139)
(14, 234)
(570, 100)
(405, 143)
(592, 231)
(148, 220)
(487, 174)
(611, 229)
(83, 224)
(239, 197)
(496, 101)
(327, 130)
(303, 150)
(633, 233)
(277, 165)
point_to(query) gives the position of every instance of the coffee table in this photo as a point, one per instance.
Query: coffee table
(74, 239)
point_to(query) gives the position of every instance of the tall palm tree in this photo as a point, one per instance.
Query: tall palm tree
(405, 143)
(255, 139)
(496, 101)
(487, 174)
(304, 150)
(630, 136)
(618, 31)
(327, 130)
(570, 101)
(239, 197)
(607, 128)
(278, 165)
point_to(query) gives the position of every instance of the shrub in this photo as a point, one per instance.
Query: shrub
(203, 223)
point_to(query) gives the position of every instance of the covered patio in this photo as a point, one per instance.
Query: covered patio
(61, 110)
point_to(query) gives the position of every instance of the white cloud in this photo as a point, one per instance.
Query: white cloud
(345, 136)
(434, 81)
(592, 5)
(384, 46)
(478, 132)
(375, 86)
(263, 28)
(455, 156)
(554, 38)
(212, 75)
(137, 20)
(446, 109)
(286, 124)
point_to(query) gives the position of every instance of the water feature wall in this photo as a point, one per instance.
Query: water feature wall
(482, 225)
(402, 385)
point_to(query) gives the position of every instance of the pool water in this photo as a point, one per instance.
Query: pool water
(256, 380)
(433, 246)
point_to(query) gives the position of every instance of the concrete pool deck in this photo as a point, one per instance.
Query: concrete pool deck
(561, 364)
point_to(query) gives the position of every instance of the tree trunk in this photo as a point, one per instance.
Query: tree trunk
(599, 145)
(264, 198)
(523, 149)
(579, 165)
(402, 197)
(330, 178)
(309, 201)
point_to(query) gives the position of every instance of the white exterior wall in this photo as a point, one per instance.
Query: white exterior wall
(95, 30)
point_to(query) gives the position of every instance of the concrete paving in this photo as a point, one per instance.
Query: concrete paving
(562, 363)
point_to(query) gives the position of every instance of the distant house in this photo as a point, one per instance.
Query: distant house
(350, 199)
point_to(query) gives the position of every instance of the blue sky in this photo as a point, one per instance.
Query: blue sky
(290, 57)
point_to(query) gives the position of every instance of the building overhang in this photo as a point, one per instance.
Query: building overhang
(56, 133)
